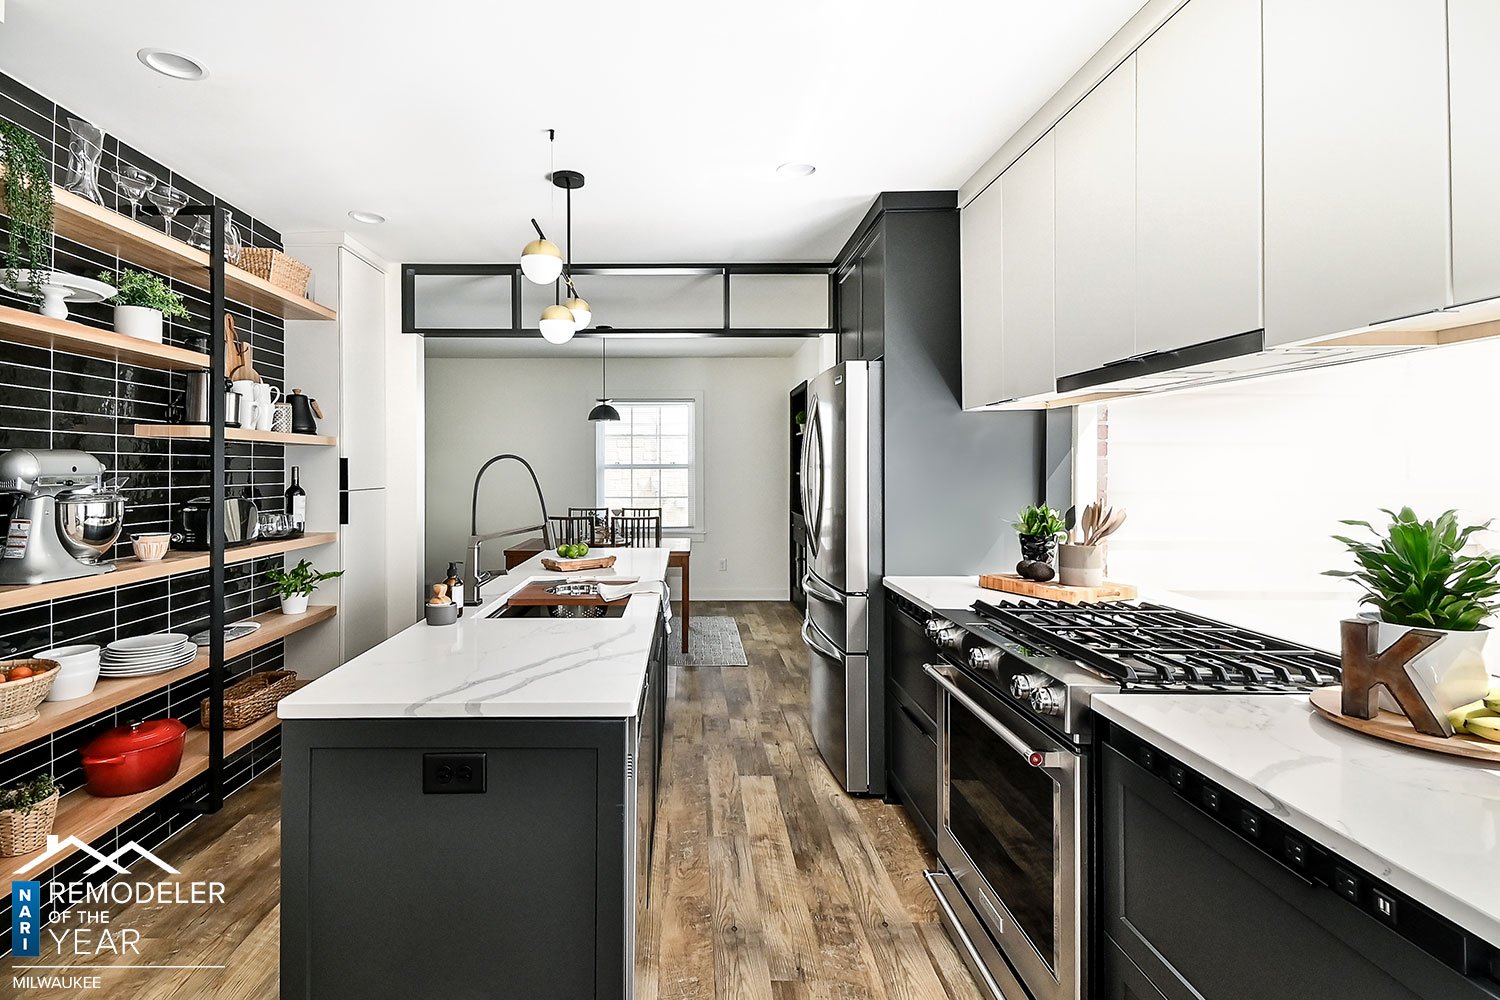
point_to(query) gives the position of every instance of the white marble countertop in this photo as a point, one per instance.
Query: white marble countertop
(485, 667)
(938, 592)
(1426, 823)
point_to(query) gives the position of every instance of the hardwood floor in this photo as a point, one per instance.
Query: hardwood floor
(770, 882)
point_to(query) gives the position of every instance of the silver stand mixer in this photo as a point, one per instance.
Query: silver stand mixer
(58, 517)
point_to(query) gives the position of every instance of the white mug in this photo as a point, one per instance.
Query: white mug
(249, 410)
(266, 396)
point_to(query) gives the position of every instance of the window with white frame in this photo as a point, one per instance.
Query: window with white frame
(649, 458)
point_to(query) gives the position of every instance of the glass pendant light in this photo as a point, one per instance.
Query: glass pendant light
(541, 261)
(603, 411)
(578, 307)
(557, 324)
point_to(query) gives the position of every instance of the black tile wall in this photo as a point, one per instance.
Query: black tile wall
(52, 399)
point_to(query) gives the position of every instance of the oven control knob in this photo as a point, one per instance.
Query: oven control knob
(934, 626)
(986, 657)
(1022, 685)
(1047, 700)
(944, 633)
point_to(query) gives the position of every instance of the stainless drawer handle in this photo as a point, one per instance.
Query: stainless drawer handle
(817, 643)
(1036, 758)
(821, 590)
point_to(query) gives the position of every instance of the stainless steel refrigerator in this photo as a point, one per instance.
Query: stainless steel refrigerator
(841, 483)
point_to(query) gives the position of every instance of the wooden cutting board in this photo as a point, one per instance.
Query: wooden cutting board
(536, 595)
(576, 565)
(1010, 583)
(1394, 727)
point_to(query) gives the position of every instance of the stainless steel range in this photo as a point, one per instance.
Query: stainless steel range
(1014, 734)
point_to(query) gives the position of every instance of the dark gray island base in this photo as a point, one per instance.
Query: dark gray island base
(467, 857)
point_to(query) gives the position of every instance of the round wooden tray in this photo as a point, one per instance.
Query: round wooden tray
(1395, 728)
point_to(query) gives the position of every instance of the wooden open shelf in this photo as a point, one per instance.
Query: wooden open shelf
(199, 432)
(131, 570)
(108, 694)
(88, 817)
(135, 242)
(35, 330)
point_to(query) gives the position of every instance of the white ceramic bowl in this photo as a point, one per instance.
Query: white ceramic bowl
(78, 673)
(151, 547)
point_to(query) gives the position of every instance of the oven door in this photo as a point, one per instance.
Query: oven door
(1010, 833)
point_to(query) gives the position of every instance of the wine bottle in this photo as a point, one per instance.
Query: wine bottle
(296, 503)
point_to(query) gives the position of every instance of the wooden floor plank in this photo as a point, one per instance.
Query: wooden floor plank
(769, 882)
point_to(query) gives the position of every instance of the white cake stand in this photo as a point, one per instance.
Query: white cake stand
(59, 289)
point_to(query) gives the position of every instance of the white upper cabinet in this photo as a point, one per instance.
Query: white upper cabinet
(362, 332)
(1356, 163)
(1027, 249)
(1095, 150)
(1198, 176)
(979, 235)
(1474, 76)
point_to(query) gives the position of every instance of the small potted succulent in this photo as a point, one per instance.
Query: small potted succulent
(142, 301)
(1039, 527)
(296, 585)
(1416, 576)
(27, 811)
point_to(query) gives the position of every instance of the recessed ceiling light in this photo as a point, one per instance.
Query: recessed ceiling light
(173, 64)
(796, 169)
(368, 218)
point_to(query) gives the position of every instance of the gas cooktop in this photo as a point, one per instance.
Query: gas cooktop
(1150, 647)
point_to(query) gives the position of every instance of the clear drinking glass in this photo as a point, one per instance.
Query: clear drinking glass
(132, 183)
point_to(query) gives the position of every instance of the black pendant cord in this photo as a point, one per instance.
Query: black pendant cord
(603, 370)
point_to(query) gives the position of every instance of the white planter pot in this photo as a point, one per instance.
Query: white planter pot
(139, 322)
(1080, 565)
(295, 605)
(1449, 673)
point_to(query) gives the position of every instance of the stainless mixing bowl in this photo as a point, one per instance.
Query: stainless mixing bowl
(88, 525)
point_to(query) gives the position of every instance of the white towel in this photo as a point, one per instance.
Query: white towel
(613, 592)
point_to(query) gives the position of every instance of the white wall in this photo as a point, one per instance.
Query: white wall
(537, 408)
(815, 357)
(1234, 492)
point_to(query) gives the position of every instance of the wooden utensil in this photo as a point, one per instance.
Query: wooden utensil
(238, 358)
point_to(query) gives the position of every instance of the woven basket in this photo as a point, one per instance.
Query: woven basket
(284, 272)
(19, 699)
(22, 833)
(253, 698)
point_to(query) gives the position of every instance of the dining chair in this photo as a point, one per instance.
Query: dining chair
(637, 530)
(571, 529)
(599, 533)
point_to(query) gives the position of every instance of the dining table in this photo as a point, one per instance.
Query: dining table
(679, 556)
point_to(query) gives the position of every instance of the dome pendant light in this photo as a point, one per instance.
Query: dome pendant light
(541, 261)
(603, 411)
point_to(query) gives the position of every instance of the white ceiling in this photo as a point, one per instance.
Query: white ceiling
(434, 114)
(619, 347)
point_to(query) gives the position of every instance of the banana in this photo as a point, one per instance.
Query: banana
(1461, 717)
(1492, 699)
(1488, 727)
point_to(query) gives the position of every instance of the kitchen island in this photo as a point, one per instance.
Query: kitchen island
(480, 799)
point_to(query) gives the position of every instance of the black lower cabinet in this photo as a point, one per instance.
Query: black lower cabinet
(911, 707)
(1190, 911)
(911, 769)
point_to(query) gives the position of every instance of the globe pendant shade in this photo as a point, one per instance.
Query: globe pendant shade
(580, 310)
(557, 324)
(541, 262)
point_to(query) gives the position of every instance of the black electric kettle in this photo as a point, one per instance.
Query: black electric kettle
(303, 410)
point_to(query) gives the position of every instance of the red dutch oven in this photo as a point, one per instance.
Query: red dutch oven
(133, 758)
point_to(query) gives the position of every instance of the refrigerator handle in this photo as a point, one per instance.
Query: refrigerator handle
(814, 501)
(818, 643)
(820, 590)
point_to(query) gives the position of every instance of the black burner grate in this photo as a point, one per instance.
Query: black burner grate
(1153, 647)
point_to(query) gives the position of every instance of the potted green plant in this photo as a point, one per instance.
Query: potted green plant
(142, 301)
(296, 585)
(28, 202)
(27, 812)
(1039, 527)
(1416, 576)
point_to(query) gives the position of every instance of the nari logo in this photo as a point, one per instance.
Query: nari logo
(26, 919)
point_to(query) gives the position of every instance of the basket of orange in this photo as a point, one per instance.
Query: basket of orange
(23, 687)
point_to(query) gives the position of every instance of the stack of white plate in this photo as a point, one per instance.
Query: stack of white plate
(146, 654)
